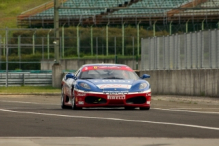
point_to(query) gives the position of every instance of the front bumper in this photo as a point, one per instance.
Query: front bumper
(98, 99)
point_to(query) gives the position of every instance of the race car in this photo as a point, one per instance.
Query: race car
(105, 85)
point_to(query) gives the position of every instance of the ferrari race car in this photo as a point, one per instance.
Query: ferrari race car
(105, 85)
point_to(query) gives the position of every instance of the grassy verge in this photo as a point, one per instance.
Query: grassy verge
(29, 90)
(10, 9)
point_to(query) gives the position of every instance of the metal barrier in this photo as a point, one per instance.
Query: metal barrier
(32, 79)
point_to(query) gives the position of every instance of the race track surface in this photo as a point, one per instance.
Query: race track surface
(171, 117)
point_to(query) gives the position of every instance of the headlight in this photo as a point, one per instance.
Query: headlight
(143, 85)
(84, 85)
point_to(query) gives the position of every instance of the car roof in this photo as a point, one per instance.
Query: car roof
(103, 64)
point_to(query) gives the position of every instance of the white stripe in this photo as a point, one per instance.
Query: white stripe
(114, 119)
(27, 102)
(90, 92)
(177, 110)
(191, 108)
(202, 112)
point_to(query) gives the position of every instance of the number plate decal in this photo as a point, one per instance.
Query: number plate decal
(116, 97)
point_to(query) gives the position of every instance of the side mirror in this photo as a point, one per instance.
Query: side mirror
(70, 75)
(145, 76)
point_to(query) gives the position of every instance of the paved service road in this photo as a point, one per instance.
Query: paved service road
(171, 119)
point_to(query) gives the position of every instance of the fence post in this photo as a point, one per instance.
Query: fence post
(138, 40)
(115, 49)
(169, 51)
(202, 49)
(48, 38)
(192, 50)
(123, 38)
(217, 39)
(170, 28)
(133, 51)
(23, 79)
(164, 53)
(96, 47)
(210, 49)
(158, 53)
(0, 51)
(185, 53)
(78, 40)
(63, 41)
(187, 26)
(6, 44)
(155, 53)
(203, 25)
(19, 45)
(154, 28)
(42, 48)
(33, 39)
(178, 52)
(91, 40)
(175, 48)
(19, 50)
(107, 39)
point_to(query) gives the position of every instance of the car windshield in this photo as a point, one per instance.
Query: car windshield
(109, 74)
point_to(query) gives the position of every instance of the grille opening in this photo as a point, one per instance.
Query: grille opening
(136, 100)
(95, 100)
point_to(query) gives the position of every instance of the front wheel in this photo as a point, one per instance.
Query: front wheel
(63, 106)
(144, 108)
(73, 106)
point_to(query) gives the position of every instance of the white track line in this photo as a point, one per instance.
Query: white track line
(113, 119)
(173, 109)
(27, 102)
(184, 110)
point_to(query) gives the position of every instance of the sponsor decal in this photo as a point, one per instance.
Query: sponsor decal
(116, 97)
(81, 94)
(125, 86)
(106, 67)
(112, 81)
(115, 92)
(148, 94)
(80, 102)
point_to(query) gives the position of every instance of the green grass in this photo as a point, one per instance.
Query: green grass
(29, 90)
(10, 9)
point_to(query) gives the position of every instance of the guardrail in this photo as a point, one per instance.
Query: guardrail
(31, 79)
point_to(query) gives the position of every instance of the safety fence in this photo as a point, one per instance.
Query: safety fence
(187, 51)
(26, 78)
(27, 49)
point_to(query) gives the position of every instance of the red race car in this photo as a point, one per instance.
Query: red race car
(105, 85)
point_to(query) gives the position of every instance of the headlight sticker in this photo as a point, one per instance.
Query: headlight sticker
(81, 94)
(84, 85)
(143, 85)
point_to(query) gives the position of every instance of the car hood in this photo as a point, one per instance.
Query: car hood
(112, 83)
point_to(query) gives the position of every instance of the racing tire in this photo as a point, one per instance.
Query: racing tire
(63, 106)
(144, 108)
(73, 105)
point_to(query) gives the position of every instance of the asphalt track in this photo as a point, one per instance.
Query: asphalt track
(172, 120)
